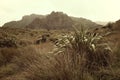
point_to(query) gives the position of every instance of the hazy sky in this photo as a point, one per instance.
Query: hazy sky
(95, 10)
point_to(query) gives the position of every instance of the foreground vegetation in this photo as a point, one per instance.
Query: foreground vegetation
(80, 55)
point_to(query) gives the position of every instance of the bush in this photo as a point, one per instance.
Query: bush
(8, 42)
(81, 54)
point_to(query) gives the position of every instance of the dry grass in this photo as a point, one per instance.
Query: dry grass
(79, 56)
(76, 61)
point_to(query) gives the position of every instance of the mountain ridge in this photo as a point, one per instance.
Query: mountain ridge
(54, 20)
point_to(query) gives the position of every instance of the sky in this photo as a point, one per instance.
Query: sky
(95, 10)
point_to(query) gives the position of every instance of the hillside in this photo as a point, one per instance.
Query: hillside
(116, 25)
(55, 20)
(111, 32)
(23, 22)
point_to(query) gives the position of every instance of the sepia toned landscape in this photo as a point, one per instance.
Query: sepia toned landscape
(57, 46)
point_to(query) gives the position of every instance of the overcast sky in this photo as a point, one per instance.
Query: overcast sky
(95, 10)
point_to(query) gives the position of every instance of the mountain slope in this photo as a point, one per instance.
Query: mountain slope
(84, 22)
(116, 25)
(23, 22)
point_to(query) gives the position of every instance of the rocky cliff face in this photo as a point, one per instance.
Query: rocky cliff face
(59, 20)
(55, 20)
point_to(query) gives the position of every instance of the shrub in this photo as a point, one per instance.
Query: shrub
(82, 53)
(8, 42)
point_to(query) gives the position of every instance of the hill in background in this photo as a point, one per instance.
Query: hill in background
(23, 22)
(101, 23)
(55, 20)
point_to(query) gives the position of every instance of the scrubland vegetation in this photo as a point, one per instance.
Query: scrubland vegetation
(78, 55)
